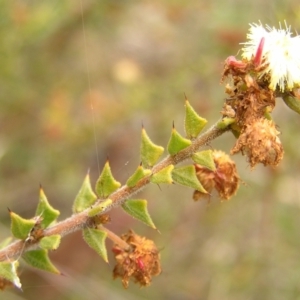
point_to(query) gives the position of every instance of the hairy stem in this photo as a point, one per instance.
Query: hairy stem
(82, 220)
(115, 238)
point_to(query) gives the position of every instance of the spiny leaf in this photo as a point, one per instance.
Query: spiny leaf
(99, 208)
(187, 176)
(150, 153)
(44, 210)
(106, 184)
(137, 175)
(8, 270)
(205, 159)
(20, 228)
(235, 129)
(193, 122)
(95, 238)
(163, 176)
(225, 122)
(292, 102)
(137, 208)
(50, 242)
(177, 142)
(85, 197)
(39, 259)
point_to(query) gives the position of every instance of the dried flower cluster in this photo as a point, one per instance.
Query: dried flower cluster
(224, 179)
(141, 262)
(270, 67)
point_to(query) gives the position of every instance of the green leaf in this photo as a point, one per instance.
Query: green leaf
(8, 270)
(20, 227)
(187, 176)
(193, 123)
(150, 153)
(100, 208)
(39, 259)
(163, 176)
(225, 122)
(50, 242)
(85, 197)
(137, 208)
(267, 113)
(44, 210)
(106, 184)
(235, 129)
(205, 159)
(177, 142)
(95, 238)
(137, 175)
(292, 102)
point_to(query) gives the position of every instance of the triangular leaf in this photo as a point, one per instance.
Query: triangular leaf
(187, 176)
(292, 102)
(95, 238)
(20, 227)
(8, 271)
(193, 122)
(106, 184)
(100, 208)
(85, 197)
(163, 176)
(137, 175)
(205, 159)
(50, 242)
(137, 208)
(177, 142)
(150, 153)
(39, 259)
(225, 122)
(44, 210)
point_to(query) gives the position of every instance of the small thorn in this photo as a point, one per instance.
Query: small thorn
(142, 125)
(19, 288)
(107, 159)
(41, 186)
(9, 210)
(185, 97)
(173, 125)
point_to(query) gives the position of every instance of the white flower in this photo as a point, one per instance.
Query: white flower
(280, 54)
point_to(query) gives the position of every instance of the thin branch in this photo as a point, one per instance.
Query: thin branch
(81, 220)
(116, 239)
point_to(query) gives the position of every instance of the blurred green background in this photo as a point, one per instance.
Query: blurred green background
(134, 61)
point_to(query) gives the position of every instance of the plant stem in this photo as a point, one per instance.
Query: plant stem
(81, 220)
(115, 238)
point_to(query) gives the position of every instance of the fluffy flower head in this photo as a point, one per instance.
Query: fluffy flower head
(280, 54)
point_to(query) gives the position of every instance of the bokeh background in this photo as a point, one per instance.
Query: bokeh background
(133, 61)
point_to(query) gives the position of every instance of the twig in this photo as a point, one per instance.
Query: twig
(81, 220)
